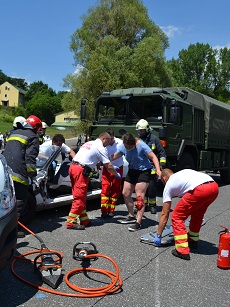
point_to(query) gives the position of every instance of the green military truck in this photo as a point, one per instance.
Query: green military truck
(193, 128)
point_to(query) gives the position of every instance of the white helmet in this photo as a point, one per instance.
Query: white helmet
(44, 125)
(18, 120)
(143, 124)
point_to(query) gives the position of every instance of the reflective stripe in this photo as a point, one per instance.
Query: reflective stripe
(112, 206)
(17, 179)
(104, 205)
(152, 201)
(178, 245)
(18, 138)
(83, 218)
(153, 171)
(153, 147)
(113, 199)
(73, 215)
(72, 221)
(181, 237)
(104, 198)
(195, 234)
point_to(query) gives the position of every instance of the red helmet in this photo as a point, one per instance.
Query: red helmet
(34, 122)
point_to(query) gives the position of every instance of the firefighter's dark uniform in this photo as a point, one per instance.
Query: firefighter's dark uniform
(21, 150)
(41, 138)
(154, 143)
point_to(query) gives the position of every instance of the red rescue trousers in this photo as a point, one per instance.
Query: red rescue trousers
(194, 203)
(111, 190)
(79, 191)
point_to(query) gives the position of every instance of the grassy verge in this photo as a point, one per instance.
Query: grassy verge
(51, 131)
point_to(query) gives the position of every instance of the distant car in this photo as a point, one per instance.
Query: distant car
(52, 188)
(8, 215)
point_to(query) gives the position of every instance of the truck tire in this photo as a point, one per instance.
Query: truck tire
(225, 175)
(30, 210)
(186, 161)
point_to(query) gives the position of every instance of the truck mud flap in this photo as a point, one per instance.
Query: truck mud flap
(167, 235)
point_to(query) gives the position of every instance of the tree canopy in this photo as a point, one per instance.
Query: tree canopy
(19, 82)
(204, 69)
(117, 46)
(44, 106)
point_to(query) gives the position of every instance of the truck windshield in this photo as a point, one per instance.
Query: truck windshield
(119, 110)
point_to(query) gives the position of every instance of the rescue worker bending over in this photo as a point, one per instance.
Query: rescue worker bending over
(144, 133)
(111, 186)
(89, 155)
(21, 150)
(197, 191)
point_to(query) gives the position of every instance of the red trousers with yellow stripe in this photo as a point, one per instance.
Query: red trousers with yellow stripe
(79, 191)
(111, 190)
(194, 203)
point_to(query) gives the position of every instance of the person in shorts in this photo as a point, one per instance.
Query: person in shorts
(138, 154)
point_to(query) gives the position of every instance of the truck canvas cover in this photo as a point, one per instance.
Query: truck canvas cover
(216, 115)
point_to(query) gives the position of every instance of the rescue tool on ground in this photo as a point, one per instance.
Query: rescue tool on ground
(83, 249)
(47, 262)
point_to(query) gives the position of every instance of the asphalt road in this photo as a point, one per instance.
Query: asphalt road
(151, 276)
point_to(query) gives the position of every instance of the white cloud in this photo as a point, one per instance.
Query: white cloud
(170, 31)
(78, 70)
(218, 47)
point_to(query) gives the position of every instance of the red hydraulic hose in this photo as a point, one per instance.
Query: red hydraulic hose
(115, 285)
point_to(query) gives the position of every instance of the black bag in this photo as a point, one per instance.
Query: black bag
(86, 171)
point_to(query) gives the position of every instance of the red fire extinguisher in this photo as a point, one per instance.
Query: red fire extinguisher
(223, 260)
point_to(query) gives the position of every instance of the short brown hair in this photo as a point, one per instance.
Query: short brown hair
(58, 138)
(129, 139)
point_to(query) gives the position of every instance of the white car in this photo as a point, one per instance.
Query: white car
(53, 188)
(8, 215)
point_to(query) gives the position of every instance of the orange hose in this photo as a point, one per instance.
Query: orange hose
(116, 281)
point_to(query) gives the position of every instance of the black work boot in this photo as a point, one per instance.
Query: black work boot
(179, 255)
(153, 209)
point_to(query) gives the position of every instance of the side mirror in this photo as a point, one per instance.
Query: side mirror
(83, 109)
(174, 115)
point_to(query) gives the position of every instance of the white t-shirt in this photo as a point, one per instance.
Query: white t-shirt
(182, 182)
(111, 149)
(91, 153)
(47, 148)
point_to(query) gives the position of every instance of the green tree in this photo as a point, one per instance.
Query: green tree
(44, 106)
(18, 82)
(204, 69)
(117, 46)
(41, 87)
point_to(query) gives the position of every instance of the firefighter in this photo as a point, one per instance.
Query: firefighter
(42, 133)
(111, 186)
(144, 133)
(89, 155)
(21, 150)
(17, 123)
(197, 191)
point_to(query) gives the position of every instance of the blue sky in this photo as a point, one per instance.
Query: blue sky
(35, 35)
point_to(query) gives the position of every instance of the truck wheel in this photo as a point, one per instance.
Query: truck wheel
(225, 175)
(186, 161)
(30, 210)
